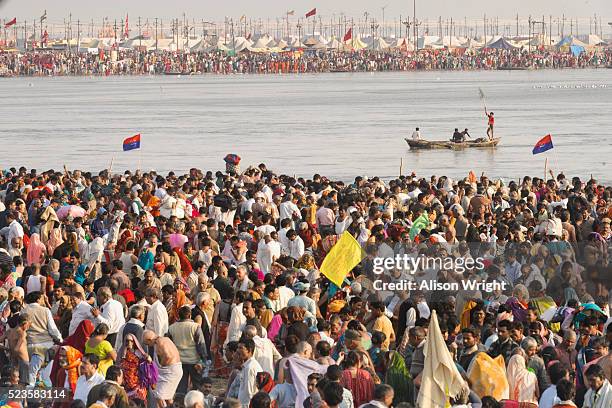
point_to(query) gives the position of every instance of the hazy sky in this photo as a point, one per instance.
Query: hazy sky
(87, 9)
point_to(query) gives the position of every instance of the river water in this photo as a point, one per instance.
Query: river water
(340, 125)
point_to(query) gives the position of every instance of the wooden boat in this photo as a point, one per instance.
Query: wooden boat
(513, 68)
(445, 144)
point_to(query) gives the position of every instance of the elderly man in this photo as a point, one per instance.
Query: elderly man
(265, 353)
(110, 313)
(188, 337)
(133, 326)
(242, 282)
(157, 319)
(169, 366)
(199, 316)
(194, 399)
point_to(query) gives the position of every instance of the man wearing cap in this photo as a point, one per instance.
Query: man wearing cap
(303, 301)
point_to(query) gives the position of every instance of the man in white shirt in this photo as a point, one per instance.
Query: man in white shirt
(110, 313)
(89, 378)
(157, 319)
(289, 208)
(295, 247)
(81, 310)
(242, 282)
(416, 135)
(282, 233)
(250, 368)
(236, 324)
(265, 226)
(284, 293)
(15, 232)
(265, 353)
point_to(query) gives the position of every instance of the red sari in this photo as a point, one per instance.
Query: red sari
(362, 386)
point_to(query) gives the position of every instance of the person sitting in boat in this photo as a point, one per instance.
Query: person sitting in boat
(416, 135)
(457, 136)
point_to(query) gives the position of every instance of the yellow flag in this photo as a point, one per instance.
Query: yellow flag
(343, 257)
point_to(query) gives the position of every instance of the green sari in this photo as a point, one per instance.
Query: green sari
(398, 377)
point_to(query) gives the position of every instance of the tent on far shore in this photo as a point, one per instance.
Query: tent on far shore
(501, 44)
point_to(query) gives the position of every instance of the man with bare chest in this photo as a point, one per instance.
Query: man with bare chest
(169, 366)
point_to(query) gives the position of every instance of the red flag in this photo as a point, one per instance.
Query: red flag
(348, 35)
(311, 12)
(126, 31)
(10, 23)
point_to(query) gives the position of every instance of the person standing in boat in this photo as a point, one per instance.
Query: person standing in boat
(491, 123)
(416, 135)
(465, 134)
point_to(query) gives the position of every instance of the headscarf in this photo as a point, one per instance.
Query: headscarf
(137, 347)
(522, 382)
(264, 382)
(186, 267)
(466, 313)
(35, 250)
(55, 240)
(398, 377)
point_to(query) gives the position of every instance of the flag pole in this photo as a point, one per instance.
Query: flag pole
(401, 165)
(545, 168)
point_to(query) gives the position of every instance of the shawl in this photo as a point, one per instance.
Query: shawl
(300, 368)
(69, 371)
(398, 377)
(35, 250)
(264, 382)
(76, 341)
(49, 218)
(519, 310)
(54, 240)
(488, 376)
(466, 313)
(604, 399)
(521, 381)
(137, 347)
(186, 268)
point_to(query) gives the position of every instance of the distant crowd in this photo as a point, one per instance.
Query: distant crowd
(132, 62)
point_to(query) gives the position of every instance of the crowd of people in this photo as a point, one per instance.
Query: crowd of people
(130, 62)
(142, 289)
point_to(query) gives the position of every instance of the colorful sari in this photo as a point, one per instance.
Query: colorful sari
(398, 377)
(130, 363)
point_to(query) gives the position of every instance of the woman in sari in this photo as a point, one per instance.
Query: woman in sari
(523, 383)
(357, 381)
(132, 355)
(36, 250)
(398, 377)
(55, 239)
(98, 345)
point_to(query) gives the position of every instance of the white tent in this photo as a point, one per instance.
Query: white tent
(282, 44)
(200, 46)
(240, 44)
(429, 41)
(378, 44)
